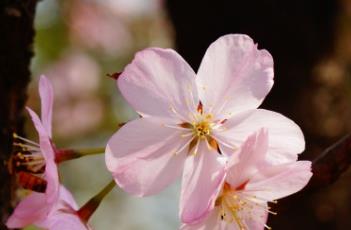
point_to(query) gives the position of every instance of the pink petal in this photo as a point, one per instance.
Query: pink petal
(256, 218)
(142, 156)
(64, 215)
(30, 210)
(212, 222)
(47, 99)
(285, 137)
(44, 138)
(51, 176)
(66, 196)
(159, 81)
(281, 181)
(202, 181)
(252, 153)
(65, 221)
(234, 75)
(37, 123)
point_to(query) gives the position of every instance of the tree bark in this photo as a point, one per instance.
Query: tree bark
(16, 50)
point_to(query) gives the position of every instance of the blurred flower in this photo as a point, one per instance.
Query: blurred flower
(76, 79)
(134, 8)
(74, 75)
(196, 120)
(241, 200)
(96, 27)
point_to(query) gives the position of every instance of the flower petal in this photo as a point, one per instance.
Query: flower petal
(251, 154)
(234, 75)
(203, 177)
(256, 218)
(64, 215)
(37, 123)
(285, 137)
(53, 184)
(66, 196)
(164, 81)
(65, 221)
(281, 181)
(141, 156)
(31, 210)
(47, 99)
(212, 222)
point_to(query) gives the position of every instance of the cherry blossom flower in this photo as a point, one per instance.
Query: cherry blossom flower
(37, 167)
(241, 200)
(64, 214)
(195, 119)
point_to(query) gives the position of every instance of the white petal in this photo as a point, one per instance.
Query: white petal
(159, 82)
(281, 180)
(234, 75)
(203, 178)
(251, 154)
(142, 156)
(212, 222)
(285, 137)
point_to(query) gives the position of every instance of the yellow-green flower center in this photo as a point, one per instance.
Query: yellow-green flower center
(202, 129)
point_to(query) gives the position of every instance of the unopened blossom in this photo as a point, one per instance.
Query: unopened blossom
(195, 119)
(37, 167)
(241, 201)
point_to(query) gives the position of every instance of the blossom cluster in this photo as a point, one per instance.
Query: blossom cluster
(234, 159)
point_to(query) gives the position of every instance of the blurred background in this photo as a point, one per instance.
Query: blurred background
(79, 42)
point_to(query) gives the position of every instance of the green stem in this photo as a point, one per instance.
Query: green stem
(89, 207)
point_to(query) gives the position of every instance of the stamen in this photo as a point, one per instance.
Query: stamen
(180, 117)
(235, 205)
(26, 147)
(183, 147)
(212, 144)
(186, 135)
(15, 136)
(179, 127)
(200, 108)
(195, 148)
(192, 97)
(233, 147)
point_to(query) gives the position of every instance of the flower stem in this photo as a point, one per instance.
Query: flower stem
(69, 154)
(89, 207)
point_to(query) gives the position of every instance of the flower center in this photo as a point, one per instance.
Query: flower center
(199, 127)
(29, 163)
(235, 206)
(202, 129)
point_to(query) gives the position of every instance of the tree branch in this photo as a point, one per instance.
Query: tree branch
(16, 29)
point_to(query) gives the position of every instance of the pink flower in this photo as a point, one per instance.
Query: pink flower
(64, 214)
(32, 159)
(195, 119)
(250, 182)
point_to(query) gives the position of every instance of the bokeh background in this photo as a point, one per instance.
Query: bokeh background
(79, 42)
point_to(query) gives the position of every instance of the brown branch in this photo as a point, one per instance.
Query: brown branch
(331, 163)
(16, 29)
